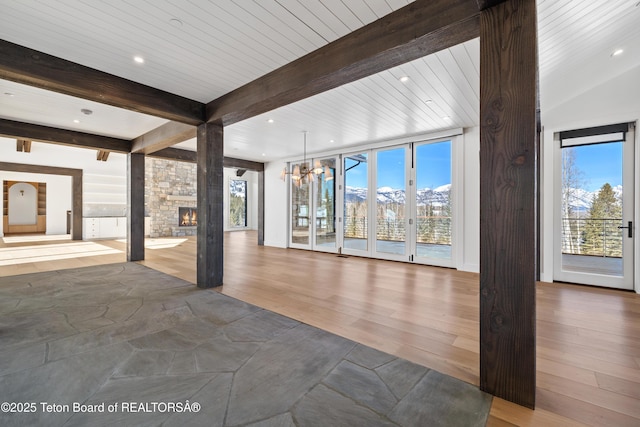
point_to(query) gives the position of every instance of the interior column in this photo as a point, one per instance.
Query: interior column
(508, 104)
(135, 202)
(76, 206)
(210, 151)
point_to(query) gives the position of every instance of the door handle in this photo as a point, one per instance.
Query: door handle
(628, 227)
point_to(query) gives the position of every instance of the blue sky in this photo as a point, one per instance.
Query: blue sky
(433, 167)
(599, 164)
(433, 163)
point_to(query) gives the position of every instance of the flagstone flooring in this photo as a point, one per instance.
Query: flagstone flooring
(141, 348)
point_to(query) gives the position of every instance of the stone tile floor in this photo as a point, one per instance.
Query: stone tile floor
(141, 348)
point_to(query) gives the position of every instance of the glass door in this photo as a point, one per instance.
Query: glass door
(391, 210)
(594, 207)
(409, 216)
(355, 224)
(324, 189)
(313, 205)
(433, 203)
(301, 212)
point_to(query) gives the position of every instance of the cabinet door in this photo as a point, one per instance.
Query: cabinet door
(91, 228)
(108, 228)
(121, 227)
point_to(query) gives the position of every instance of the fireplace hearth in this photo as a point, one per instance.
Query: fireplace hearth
(187, 217)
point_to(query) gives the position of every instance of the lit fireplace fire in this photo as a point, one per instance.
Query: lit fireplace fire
(187, 217)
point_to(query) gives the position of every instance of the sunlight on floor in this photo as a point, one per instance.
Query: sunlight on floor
(159, 243)
(37, 238)
(53, 252)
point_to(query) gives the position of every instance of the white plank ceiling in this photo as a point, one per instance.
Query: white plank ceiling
(203, 49)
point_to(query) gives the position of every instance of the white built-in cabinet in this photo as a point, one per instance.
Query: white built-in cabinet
(104, 228)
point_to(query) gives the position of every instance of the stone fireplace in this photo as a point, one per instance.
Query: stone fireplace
(170, 194)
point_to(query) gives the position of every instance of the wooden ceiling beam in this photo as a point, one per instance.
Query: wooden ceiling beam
(21, 130)
(178, 154)
(27, 66)
(49, 170)
(102, 156)
(164, 136)
(414, 31)
(231, 162)
(192, 157)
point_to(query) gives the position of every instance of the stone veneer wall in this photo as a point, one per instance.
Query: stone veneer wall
(169, 185)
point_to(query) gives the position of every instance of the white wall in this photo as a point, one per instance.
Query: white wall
(471, 192)
(275, 206)
(616, 101)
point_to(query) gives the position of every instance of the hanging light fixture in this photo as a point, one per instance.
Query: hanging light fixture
(303, 172)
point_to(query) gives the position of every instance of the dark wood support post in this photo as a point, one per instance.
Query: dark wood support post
(135, 201)
(508, 93)
(76, 206)
(210, 151)
(261, 208)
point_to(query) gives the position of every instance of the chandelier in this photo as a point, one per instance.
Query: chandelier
(303, 173)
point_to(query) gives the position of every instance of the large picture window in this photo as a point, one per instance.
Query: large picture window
(237, 203)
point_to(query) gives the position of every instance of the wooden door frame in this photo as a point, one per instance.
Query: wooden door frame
(76, 188)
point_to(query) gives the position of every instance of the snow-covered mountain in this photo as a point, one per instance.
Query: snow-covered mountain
(390, 195)
(355, 194)
(580, 200)
(425, 196)
(437, 197)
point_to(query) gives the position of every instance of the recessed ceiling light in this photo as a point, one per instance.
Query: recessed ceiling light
(86, 112)
(264, 154)
(617, 52)
(138, 59)
(175, 22)
(270, 121)
(331, 140)
(9, 94)
(428, 101)
(404, 79)
(446, 117)
(76, 121)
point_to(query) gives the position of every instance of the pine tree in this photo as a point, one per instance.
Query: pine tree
(601, 235)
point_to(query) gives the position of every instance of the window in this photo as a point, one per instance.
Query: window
(237, 203)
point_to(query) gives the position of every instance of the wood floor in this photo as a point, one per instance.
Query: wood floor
(588, 339)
